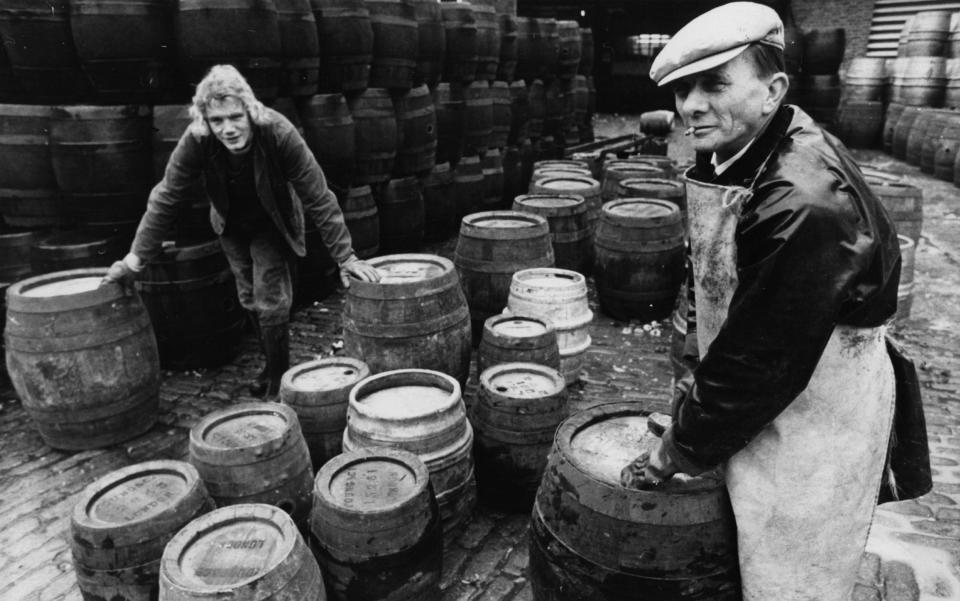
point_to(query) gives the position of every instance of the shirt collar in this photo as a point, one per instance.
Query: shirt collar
(719, 168)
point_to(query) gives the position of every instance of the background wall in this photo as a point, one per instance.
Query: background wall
(853, 15)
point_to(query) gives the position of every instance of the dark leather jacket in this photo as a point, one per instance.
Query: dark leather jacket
(815, 249)
(285, 172)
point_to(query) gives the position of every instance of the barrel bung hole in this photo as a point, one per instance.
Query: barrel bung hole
(502, 389)
(286, 505)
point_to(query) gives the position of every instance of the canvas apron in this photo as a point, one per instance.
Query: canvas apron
(804, 490)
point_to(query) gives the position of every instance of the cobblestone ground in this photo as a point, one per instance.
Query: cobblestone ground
(914, 549)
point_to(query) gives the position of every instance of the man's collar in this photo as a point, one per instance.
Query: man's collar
(743, 167)
(719, 168)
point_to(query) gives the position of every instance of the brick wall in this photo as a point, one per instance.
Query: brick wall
(853, 15)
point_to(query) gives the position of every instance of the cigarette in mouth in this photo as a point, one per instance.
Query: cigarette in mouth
(689, 131)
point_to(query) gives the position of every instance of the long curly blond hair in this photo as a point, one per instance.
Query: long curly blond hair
(221, 82)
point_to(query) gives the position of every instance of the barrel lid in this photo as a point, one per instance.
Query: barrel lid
(405, 395)
(116, 509)
(568, 183)
(517, 326)
(67, 287)
(371, 480)
(632, 167)
(549, 201)
(232, 435)
(522, 380)
(551, 277)
(640, 208)
(501, 220)
(602, 440)
(653, 186)
(406, 275)
(62, 290)
(327, 374)
(560, 171)
(228, 548)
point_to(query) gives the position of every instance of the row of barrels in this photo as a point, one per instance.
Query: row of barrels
(91, 51)
(930, 33)
(813, 52)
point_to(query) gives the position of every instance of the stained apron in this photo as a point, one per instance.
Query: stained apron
(804, 490)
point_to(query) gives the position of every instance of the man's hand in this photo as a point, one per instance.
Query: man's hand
(649, 470)
(120, 273)
(361, 270)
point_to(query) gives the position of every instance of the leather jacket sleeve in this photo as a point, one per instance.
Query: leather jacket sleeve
(319, 202)
(805, 253)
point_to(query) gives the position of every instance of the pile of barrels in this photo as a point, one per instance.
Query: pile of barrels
(813, 61)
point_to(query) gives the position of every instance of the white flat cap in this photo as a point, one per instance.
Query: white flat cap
(715, 37)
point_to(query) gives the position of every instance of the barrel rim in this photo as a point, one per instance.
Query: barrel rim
(576, 278)
(490, 324)
(205, 451)
(673, 211)
(385, 290)
(486, 377)
(290, 376)
(17, 301)
(576, 201)
(223, 516)
(473, 220)
(409, 459)
(126, 532)
(384, 380)
(666, 183)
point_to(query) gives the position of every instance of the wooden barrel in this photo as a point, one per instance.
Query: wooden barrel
(362, 220)
(820, 96)
(102, 161)
(519, 113)
(25, 142)
(415, 316)
(431, 42)
(122, 521)
(318, 392)
(416, 132)
(928, 34)
(439, 204)
(559, 295)
(951, 88)
(865, 78)
(396, 44)
(902, 131)
(468, 186)
(579, 185)
(945, 155)
(904, 203)
(76, 249)
(254, 453)
(126, 51)
(462, 43)
(639, 258)
(573, 164)
(512, 175)
(82, 358)
(477, 117)
(536, 108)
(527, 58)
(860, 123)
(190, 294)
(587, 53)
(244, 33)
(615, 172)
(249, 551)
(507, 67)
(652, 535)
(553, 171)
(15, 250)
(894, 110)
(953, 40)
(420, 411)
(546, 47)
(40, 49)
(518, 338)
(169, 123)
(923, 81)
(663, 189)
(501, 106)
(330, 133)
(656, 123)
(931, 141)
(555, 105)
(376, 527)
(823, 50)
(488, 41)
(918, 133)
(570, 235)
(375, 125)
(491, 247)
(492, 166)
(450, 107)
(515, 415)
(908, 251)
(346, 44)
(299, 48)
(401, 212)
(568, 48)
(793, 48)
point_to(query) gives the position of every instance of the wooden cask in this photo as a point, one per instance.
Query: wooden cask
(462, 43)
(318, 392)
(15, 251)
(865, 79)
(491, 247)
(491, 164)
(396, 44)
(121, 523)
(416, 132)
(560, 296)
(932, 138)
(254, 453)
(439, 204)
(431, 42)
(249, 551)
(546, 47)
(918, 134)
(515, 416)
(82, 358)
(400, 207)
(362, 220)
(449, 107)
(488, 41)
(76, 249)
(191, 296)
(894, 110)
(519, 112)
(501, 102)
(623, 543)
(377, 135)
(566, 215)
(823, 50)
(923, 81)
(928, 34)
(512, 175)
(507, 67)
(945, 154)
(299, 48)
(568, 48)
(615, 172)
(578, 185)
(951, 88)
(477, 117)
(902, 131)
(639, 258)
(420, 411)
(663, 189)
(468, 185)
(587, 52)
(518, 339)
(330, 133)
(376, 527)
(526, 68)
(415, 316)
(860, 123)
(346, 44)
(904, 203)
(536, 108)
(28, 194)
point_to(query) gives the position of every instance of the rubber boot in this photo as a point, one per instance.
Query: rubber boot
(258, 386)
(276, 344)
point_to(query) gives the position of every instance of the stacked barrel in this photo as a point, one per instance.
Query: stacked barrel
(813, 60)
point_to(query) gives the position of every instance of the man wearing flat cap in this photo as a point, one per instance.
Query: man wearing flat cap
(795, 272)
